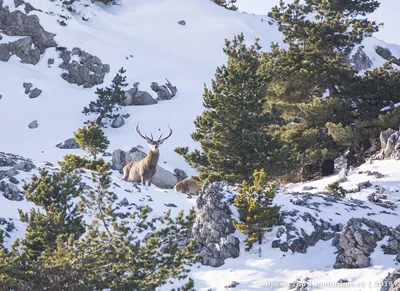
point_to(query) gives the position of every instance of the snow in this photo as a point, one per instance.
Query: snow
(186, 55)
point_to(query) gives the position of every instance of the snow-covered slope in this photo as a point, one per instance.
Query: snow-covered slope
(143, 36)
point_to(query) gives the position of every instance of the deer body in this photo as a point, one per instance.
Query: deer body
(144, 170)
(187, 186)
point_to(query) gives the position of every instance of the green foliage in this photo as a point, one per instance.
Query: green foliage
(72, 162)
(326, 105)
(54, 194)
(137, 252)
(254, 206)
(335, 189)
(109, 100)
(233, 130)
(228, 4)
(92, 139)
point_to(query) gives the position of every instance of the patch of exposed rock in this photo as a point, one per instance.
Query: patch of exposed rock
(10, 166)
(134, 96)
(213, 228)
(360, 61)
(359, 239)
(70, 143)
(164, 92)
(390, 145)
(387, 54)
(163, 178)
(35, 39)
(391, 281)
(88, 71)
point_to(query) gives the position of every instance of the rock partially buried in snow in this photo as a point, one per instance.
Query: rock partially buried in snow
(27, 87)
(33, 124)
(164, 92)
(342, 176)
(35, 93)
(118, 122)
(70, 143)
(182, 22)
(135, 97)
(89, 71)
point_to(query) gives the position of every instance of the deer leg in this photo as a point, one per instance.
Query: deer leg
(150, 181)
(143, 181)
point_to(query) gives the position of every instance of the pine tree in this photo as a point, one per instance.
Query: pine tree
(312, 82)
(110, 99)
(233, 130)
(254, 205)
(92, 139)
(228, 4)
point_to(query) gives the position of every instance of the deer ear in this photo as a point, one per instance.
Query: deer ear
(160, 142)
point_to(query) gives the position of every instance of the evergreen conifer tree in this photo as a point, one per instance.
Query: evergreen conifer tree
(228, 4)
(233, 129)
(110, 99)
(254, 203)
(92, 139)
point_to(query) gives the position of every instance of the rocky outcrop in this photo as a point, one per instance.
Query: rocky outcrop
(10, 166)
(359, 239)
(70, 143)
(135, 97)
(163, 178)
(213, 228)
(35, 39)
(360, 61)
(118, 122)
(298, 240)
(387, 54)
(390, 145)
(164, 92)
(88, 71)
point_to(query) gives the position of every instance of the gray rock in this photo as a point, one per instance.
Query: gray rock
(164, 92)
(70, 143)
(233, 284)
(180, 174)
(390, 145)
(162, 178)
(33, 124)
(35, 93)
(118, 122)
(27, 87)
(135, 97)
(11, 191)
(360, 61)
(387, 54)
(182, 22)
(213, 228)
(17, 23)
(50, 61)
(1, 96)
(25, 49)
(5, 52)
(89, 71)
(342, 176)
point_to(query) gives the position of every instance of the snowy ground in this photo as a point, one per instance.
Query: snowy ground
(187, 56)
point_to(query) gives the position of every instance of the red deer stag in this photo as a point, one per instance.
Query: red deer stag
(144, 170)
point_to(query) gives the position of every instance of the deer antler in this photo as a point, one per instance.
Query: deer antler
(162, 140)
(145, 137)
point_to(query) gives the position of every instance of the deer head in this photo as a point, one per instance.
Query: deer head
(154, 144)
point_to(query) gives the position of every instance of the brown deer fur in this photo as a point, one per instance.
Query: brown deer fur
(144, 170)
(188, 186)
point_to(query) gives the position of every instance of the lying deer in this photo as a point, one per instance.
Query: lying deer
(188, 186)
(144, 170)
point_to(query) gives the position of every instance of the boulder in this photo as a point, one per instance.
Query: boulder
(391, 281)
(33, 124)
(35, 93)
(213, 228)
(89, 71)
(180, 174)
(118, 122)
(182, 22)
(135, 97)
(342, 176)
(27, 87)
(11, 191)
(386, 54)
(162, 178)
(164, 92)
(36, 40)
(390, 145)
(70, 143)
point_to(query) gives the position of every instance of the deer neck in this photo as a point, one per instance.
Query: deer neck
(152, 158)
